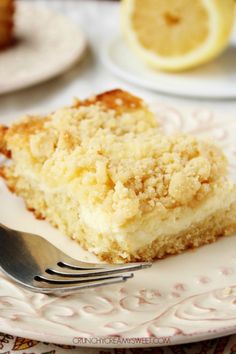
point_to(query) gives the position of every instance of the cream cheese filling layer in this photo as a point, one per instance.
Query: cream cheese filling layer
(144, 230)
(150, 227)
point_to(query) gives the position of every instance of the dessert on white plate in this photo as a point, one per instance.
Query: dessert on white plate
(103, 173)
(21, 65)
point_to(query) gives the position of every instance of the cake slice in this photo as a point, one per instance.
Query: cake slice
(105, 175)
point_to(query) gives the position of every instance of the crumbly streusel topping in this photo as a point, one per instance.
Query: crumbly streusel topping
(121, 164)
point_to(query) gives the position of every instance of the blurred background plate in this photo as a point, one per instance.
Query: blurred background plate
(214, 80)
(46, 45)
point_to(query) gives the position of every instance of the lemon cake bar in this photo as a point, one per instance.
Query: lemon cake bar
(104, 174)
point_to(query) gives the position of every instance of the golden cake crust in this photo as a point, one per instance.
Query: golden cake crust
(117, 100)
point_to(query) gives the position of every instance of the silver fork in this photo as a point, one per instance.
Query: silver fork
(37, 265)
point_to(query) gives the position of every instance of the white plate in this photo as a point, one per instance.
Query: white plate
(47, 45)
(183, 298)
(214, 80)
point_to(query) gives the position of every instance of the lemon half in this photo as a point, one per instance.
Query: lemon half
(176, 35)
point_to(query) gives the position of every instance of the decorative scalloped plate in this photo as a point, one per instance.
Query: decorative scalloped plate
(181, 299)
(47, 44)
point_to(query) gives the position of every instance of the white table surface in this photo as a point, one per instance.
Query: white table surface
(100, 21)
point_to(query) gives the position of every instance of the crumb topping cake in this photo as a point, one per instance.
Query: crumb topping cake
(103, 173)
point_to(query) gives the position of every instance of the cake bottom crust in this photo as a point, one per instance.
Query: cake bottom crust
(52, 208)
(221, 223)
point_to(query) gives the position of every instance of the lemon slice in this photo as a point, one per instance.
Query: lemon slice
(176, 35)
